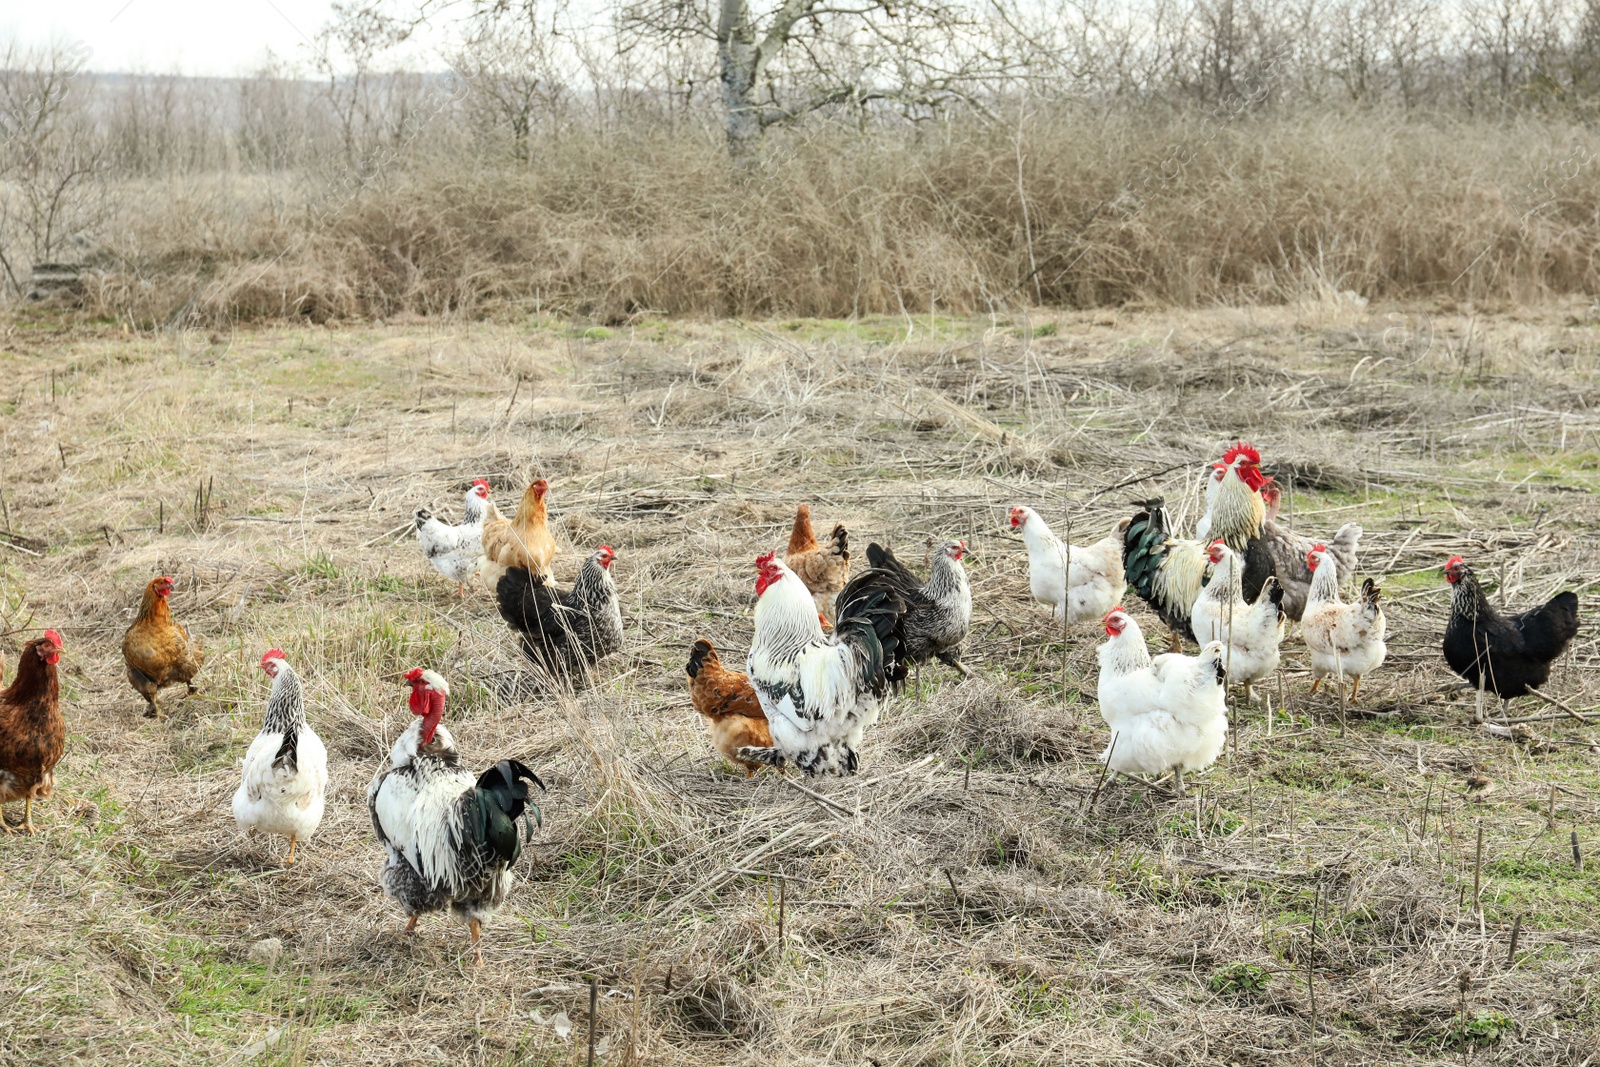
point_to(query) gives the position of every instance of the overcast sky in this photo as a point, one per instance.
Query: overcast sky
(216, 37)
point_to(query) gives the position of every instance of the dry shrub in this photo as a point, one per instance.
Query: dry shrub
(1102, 210)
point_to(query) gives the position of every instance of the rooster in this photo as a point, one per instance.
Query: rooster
(1345, 640)
(158, 651)
(1507, 655)
(728, 703)
(454, 551)
(564, 632)
(1096, 577)
(285, 780)
(32, 733)
(939, 611)
(1166, 714)
(451, 836)
(1168, 572)
(1278, 552)
(1253, 632)
(522, 541)
(821, 692)
(823, 568)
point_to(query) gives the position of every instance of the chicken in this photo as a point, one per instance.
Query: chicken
(939, 611)
(454, 551)
(1096, 576)
(821, 692)
(1346, 640)
(1166, 714)
(564, 632)
(522, 541)
(1168, 572)
(1277, 551)
(451, 836)
(728, 703)
(157, 650)
(1253, 632)
(285, 781)
(32, 733)
(1507, 655)
(823, 568)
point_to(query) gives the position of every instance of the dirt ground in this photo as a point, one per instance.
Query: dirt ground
(972, 896)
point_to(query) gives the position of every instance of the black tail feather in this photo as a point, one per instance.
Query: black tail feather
(500, 798)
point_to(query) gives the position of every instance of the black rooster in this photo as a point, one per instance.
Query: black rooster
(564, 632)
(939, 611)
(1511, 654)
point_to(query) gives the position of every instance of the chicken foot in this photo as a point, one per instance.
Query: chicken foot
(476, 927)
(289, 859)
(411, 925)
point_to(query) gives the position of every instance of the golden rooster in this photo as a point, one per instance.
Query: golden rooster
(522, 541)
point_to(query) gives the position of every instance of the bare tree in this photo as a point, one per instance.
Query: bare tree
(513, 59)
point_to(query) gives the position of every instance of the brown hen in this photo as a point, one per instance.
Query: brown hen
(729, 704)
(157, 650)
(32, 733)
(824, 568)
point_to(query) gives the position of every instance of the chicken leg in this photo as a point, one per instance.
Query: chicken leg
(411, 925)
(1314, 683)
(5, 825)
(27, 814)
(1177, 779)
(1174, 641)
(476, 926)
(289, 859)
(1355, 688)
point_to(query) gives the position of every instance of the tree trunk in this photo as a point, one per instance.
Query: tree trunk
(739, 56)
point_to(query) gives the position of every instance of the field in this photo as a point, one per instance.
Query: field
(974, 896)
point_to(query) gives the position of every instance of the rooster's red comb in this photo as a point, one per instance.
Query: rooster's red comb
(1241, 448)
(53, 637)
(480, 481)
(766, 560)
(271, 654)
(1453, 561)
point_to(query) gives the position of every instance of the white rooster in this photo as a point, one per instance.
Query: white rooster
(285, 782)
(451, 836)
(1166, 714)
(454, 550)
(820, 691)
(1346, 640)
(1096, 575)
(1254, 631)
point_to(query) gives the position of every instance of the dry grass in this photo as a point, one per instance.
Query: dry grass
(1077, 210)
(961, 901)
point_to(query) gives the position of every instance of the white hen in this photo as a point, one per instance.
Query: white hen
(285, 781)
(1346, 640)
(1096, 573)
(454, 550)
(1254, 630)
(1165, 714)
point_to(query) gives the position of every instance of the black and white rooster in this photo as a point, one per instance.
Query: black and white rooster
(938, 611)
(564, 632)
(451, 836)
(820, 691)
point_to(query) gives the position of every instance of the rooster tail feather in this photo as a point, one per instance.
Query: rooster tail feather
(1370, 592)
(1143, 546)
(870, 611)
(499, 800)
(800, 536)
